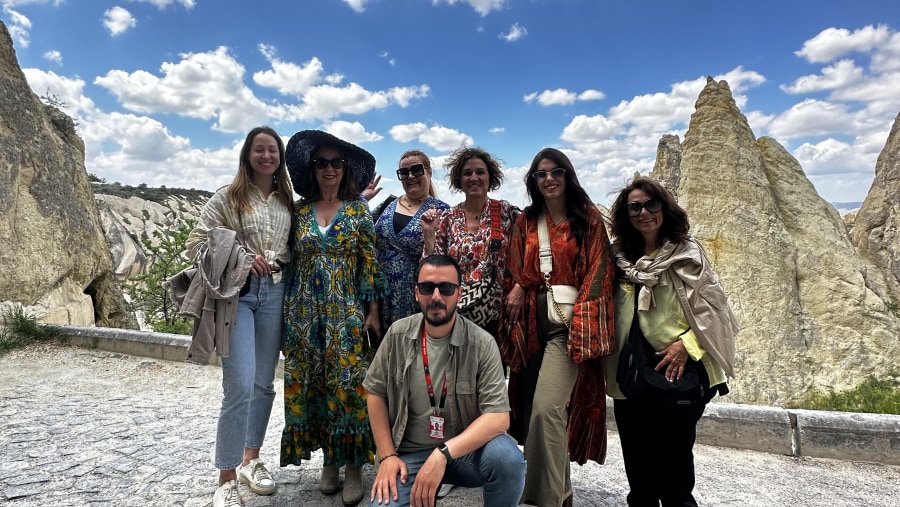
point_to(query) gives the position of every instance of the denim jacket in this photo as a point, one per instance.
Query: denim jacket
(475, 377)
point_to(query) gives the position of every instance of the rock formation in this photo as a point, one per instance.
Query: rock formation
(128, 221)
(54, 258)
(813, 313)
(876, 231)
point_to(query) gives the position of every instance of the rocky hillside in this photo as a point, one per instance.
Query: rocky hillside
(815, 313)
(54, 258)
(132, 214)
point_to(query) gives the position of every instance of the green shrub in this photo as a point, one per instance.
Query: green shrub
(21, 328)
(876, 396)
(178, 326)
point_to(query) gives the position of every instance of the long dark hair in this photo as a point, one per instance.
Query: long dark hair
(675, 224)
(577, 199)
(348, 190)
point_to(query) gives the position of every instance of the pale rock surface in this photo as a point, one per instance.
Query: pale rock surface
(813, 314)
(876, 232)
(54, 259)
(127, 222)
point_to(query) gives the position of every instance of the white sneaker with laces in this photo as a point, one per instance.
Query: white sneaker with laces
(227, 495)
(257, 477)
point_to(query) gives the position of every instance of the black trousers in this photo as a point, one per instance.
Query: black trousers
(658, 454)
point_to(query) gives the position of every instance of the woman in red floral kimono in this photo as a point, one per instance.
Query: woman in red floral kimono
(556, 385)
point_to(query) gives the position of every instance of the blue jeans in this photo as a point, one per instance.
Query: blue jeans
(248, 373)
(498, 467)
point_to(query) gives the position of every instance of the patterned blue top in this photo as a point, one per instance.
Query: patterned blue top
(399, 255)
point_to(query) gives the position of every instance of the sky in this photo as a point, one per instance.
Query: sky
(164, 91)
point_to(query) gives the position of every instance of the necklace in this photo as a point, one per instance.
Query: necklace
(557, 222)
(411, 203)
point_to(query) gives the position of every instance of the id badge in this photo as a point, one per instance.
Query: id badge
(436, 426)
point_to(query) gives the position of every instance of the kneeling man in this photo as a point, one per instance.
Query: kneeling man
(437, 402)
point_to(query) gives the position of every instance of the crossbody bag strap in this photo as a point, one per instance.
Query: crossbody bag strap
(546, 262)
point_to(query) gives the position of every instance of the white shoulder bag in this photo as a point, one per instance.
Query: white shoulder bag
(561, 304)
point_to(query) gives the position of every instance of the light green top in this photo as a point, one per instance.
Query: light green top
(662, 325)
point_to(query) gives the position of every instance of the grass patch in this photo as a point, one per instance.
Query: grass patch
(874, 396)
(21, 328)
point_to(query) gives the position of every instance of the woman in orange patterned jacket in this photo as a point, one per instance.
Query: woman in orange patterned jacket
(556, 385)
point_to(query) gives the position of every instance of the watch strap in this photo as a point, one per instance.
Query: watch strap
(445, 451)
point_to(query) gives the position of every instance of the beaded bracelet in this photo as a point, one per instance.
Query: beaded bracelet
(391, 455)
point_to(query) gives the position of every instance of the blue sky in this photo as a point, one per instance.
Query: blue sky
(165, 90)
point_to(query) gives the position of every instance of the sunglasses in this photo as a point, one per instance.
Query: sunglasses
(415, 170)
(557, 173)
(652, 205)
(322, 163)
(445, 288)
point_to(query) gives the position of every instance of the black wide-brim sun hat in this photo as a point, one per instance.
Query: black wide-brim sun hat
(302, 147)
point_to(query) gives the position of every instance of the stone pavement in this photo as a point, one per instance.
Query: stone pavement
(87, 427)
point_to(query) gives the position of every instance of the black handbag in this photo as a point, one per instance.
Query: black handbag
(640, 382)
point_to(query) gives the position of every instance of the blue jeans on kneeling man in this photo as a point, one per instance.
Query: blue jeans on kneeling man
(498, 467)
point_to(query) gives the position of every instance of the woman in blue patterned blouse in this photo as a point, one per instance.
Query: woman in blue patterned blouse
(399, 238)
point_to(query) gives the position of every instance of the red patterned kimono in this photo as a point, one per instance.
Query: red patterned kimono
(591, 335)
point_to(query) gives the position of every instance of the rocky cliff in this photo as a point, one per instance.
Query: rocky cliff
(54, 258)
(814, 314)
(127, 221)
(876, 231)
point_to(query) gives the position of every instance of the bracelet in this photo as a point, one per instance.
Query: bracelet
(391, 455)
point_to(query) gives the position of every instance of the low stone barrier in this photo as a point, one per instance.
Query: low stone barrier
(792, 432)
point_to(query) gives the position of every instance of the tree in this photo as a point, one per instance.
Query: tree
(147, 294)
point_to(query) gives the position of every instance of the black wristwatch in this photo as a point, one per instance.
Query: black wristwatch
(445, 452)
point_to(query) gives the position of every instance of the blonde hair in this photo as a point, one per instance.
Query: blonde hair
(426, 161)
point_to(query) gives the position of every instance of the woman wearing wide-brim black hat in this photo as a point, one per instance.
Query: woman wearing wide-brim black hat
(331, 302)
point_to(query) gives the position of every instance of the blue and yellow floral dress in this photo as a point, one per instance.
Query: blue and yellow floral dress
(332, 278)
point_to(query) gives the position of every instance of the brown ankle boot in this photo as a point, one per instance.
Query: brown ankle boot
(353, 492)
(330, 483)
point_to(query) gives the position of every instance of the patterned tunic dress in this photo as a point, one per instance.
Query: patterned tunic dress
(332, 278)
(471, 251)
(399, 254)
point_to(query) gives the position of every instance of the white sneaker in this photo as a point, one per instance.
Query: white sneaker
(257, 477)
(227, 495)
(445, 490)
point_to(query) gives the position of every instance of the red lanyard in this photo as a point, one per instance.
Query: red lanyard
(439, 409)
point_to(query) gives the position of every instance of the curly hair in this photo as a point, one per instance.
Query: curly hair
(675, 224)
(239, 190)
(458, 159)
(577, 199)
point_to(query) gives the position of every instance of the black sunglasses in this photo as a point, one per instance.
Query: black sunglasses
(415, 170)
(322, 163)
(557, 173)
(445, 288)
(652, 205)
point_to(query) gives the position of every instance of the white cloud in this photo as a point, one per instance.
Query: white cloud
(118, 20)
(69, 91)
(839, 75)
(497, 130)
(357, 5)
(516, 32)
(562, 97)
(53, 56)
(832, 43)
(811, 118)
(353, 132)
(20, 26)
(162, 4)
(438, 137)
(833, 157)
(202, 85)
(321, 97)
(483, 7)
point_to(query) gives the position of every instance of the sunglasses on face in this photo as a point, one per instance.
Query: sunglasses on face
(322, 163)
(652, 205)
(445, 288)
(557, 173)
(415, 170)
